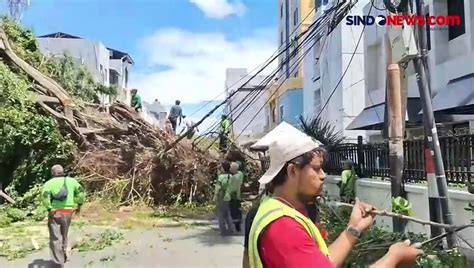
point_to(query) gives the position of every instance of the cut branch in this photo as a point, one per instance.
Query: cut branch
(8, 198)
(408, 218)
(52, 86)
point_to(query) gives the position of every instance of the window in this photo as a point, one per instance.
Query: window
(456, 8)
(281, 38)
(281, 11)
(274, 114)
(317, 100)
(126, 78)
(373, 57)
(281, 112)
(295, 17)
(296, 73)
(318, 3)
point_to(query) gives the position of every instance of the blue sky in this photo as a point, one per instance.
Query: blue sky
(181, 48)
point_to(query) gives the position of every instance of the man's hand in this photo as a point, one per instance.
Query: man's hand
(401, 254)
(360, 218)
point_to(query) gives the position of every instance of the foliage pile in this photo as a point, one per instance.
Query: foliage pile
(94, 243)
(29, 142)
(116, 152)
(375, 242)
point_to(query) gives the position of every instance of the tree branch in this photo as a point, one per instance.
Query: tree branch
(408, 218)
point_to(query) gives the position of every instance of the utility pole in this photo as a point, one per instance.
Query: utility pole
(395, 130)
(432, 134)
(433, 197)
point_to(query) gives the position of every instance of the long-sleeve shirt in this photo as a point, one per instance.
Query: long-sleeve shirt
(75, 196)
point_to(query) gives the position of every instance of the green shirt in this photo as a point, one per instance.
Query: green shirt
(136, 101)
(348, 178)
(225, 126)
(221, 190)
(235, 185)
(75, 197)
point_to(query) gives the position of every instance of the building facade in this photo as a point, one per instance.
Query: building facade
(324, 78)
(286, 94)
(108, 66)
(246, 108)
(451, 73)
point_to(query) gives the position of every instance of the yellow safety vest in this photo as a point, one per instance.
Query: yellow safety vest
(269, 210)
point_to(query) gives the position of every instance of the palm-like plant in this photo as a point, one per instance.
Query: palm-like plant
(322, 131)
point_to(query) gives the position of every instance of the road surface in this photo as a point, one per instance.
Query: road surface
(181, 247)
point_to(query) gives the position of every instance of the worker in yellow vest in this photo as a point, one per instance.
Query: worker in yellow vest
(283, 236)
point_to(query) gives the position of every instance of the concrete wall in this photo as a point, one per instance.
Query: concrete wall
(291, 103)
(93, 55)
(89, 53)
(378, 194)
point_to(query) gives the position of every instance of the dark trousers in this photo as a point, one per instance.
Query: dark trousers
(223, 142)
(236, 213)
(173, 123)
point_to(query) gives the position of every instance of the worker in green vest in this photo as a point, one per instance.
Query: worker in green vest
(136, 102)
(62, 195)
(224, 132)
(283, 236)
(348, 180)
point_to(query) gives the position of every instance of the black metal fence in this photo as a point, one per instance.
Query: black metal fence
(372, 160)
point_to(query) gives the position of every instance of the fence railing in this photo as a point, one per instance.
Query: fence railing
(372, 160)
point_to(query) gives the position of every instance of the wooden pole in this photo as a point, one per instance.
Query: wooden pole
(395, 131)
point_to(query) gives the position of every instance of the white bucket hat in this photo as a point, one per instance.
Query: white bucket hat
(284, 150)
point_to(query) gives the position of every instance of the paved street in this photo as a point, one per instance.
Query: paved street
(161, 247)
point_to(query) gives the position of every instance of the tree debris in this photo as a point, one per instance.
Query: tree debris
(120, 153)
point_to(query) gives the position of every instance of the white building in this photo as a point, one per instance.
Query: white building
(323, 68)
(451, 65)
(247, 107)
(108, 66)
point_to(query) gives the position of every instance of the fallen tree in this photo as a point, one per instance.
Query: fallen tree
(118, 153)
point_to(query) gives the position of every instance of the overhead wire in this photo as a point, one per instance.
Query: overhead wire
(343, 12)
(264, 84)
(310, 36)
(274, 93)
(270, 78)
(332, 27)
(254, 69)
(347, 67)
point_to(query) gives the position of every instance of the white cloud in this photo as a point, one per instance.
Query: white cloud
(219, 9)
(191, 66)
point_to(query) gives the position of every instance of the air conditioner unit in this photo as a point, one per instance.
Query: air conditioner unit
(402, 40)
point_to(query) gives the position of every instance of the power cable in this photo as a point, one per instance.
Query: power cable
(269, 78)
(339, 19)
(310, 36)
(377, 8)
(347, 67)
(293, 66)
(254, 69)
(275, 92)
